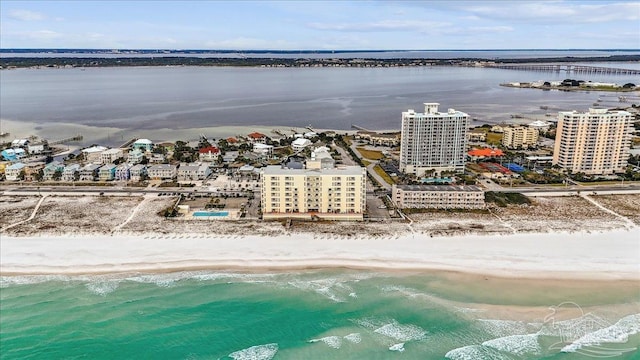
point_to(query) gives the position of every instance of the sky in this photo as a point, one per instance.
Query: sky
(320, 25)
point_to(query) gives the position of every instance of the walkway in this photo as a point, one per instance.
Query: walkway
(33, 214)
(630, 223)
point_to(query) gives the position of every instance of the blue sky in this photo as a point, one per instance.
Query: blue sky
(293, 25)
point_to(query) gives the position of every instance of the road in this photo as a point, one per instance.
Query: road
(370, 169)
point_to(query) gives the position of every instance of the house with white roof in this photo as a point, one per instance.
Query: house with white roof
(263, 149)
(111, 155)
(12, 172)
(300, 144)
(94, 154)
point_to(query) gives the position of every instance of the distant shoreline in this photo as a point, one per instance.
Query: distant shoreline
(171, 60)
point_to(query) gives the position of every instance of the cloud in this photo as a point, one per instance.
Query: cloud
(546, 11)
(384, 25)
(42, 35)
(26, 15)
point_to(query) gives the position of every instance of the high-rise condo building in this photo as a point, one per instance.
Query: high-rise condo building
(433, 140)
(596, 142)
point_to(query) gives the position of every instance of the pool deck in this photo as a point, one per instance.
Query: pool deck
(234, 214)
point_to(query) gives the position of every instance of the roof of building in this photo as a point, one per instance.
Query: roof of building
(138, 167)
(232, 140)
(343, 170)
(262, 146)
(108, 167)
(112, 152)
(94, 149)
(301, 142)
(143, 142)
(539, 123)
(163, 167)
(488, 152)
(470, 188)
(209, 149)
(90, 167)
(16, 166)
(256, 135)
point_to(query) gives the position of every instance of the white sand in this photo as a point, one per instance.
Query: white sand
(602, 255)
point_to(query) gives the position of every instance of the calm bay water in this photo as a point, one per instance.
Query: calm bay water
(308, 315)
(179, 98)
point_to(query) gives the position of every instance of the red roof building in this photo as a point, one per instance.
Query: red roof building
(257, 137)
(486, 152)
(232, 140)
(209, 153)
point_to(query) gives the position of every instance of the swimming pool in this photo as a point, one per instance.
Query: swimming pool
(211, 213)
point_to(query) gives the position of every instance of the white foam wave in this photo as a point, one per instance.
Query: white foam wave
(258, 352)
(354, 338)
(475, 352)
(331, 288)
(103, 288)
(397, 347)
(516, 344)
(332, 341)
(401, 332)
(616, 333)
(502, 328)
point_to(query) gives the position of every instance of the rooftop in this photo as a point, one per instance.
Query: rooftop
(486, 152)
(343, 170)
(470, 188)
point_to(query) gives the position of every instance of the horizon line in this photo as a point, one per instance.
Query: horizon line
(308, 50)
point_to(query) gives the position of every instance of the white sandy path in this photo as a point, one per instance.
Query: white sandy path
(33, 214)
(630, 224)
(607, 255)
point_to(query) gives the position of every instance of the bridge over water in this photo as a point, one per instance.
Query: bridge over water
(568, 68)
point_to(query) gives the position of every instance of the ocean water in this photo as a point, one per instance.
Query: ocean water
(337, 314)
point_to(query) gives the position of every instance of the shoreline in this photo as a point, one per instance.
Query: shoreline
(534, 256)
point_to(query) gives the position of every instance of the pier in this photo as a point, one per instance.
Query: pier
(63, 141)
(568, 68)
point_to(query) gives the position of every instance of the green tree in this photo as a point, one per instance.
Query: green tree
(57, 175)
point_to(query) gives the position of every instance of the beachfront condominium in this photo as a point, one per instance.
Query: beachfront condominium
(596, 142)
(336, 193)
(519, 137)
(433, 141)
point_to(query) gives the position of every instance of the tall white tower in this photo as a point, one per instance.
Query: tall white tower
(433, 140)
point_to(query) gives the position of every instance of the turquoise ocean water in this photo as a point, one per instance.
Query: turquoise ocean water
(312, 315)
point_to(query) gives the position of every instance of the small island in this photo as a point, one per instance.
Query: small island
(574, 85)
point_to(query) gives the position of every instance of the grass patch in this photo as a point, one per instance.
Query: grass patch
(370, 154)
(383, 174)
(504, 199)
(366, 163)
(494, 138)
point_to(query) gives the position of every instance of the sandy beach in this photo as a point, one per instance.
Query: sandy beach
(555, 238)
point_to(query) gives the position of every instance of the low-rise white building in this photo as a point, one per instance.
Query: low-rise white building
(12, 172)
(123, 172)
(94, 154)
(263, 149)
(162, 172)
(300, 144)
(143, 144)
(209, 153)
(320, 159)
(111, 155)
(35, 149)
(437, 197)
(89, 172)
(191, 172)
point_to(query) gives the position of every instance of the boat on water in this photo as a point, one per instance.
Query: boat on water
(4, 134)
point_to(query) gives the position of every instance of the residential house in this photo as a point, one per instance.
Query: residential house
(93, 154)
(143, 144)
(374, 138)
(12, 172)
(69, 172)
(257, 138)
(477, 135)
(32, 169)
(299, 144)
(13, 154)
(52, 168)
(162, 172)
(135, 156)
(230, 156)
(263, 149)
(19, 143)
(110, 156)
(321, 159)
(89, 172)
(37, 148)
(123, 172)
(137, 172)
(157, 158)
(190, 172)
(209, 153)
(107, 172)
